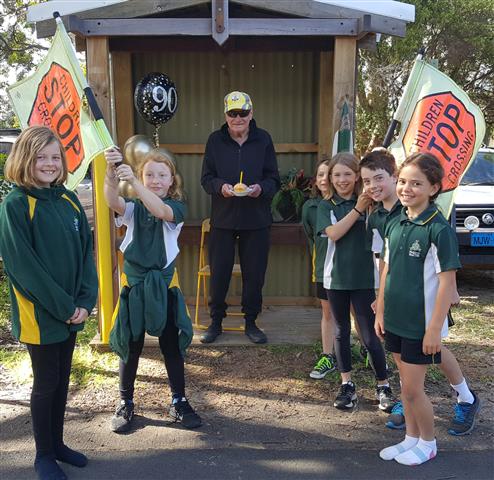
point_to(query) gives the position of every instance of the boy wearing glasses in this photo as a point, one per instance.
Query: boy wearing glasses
(239, 152)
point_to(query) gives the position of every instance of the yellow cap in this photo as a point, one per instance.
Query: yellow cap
(237, 101)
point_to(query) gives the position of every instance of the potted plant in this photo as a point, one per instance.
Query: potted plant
(286, 205)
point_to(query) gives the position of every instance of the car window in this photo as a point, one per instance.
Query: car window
(481, 172)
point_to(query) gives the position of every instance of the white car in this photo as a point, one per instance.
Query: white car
(473, 215)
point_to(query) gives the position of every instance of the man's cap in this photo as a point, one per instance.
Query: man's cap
(237, 101)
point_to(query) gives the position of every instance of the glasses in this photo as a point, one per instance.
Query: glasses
(238, 113)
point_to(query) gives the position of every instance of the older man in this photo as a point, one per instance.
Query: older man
(239, 149)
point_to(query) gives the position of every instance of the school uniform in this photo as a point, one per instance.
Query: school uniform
(376, 223)
(349, 279)
(416, 251)
(150, 300)
(46, 245)
(318, 245)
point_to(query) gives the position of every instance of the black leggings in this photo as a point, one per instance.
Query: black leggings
(51, 371)
(361, 300)
(174, 362)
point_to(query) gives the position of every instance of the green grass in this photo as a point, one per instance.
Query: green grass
(473, 319)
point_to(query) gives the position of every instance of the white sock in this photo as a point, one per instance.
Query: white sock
(464, 393)
(422, 452)
(389, 453)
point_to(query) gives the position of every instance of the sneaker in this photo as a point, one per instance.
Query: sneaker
(386, 398)
(212, 333)
(121, 421)
(255, 334)
(182, 412)
(396, 420)
(465, 415)
(324, 365)
(347, 398)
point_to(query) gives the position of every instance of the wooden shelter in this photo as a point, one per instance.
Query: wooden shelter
(296, 58)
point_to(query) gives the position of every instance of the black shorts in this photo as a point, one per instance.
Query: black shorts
(321, 291)
(410, 350)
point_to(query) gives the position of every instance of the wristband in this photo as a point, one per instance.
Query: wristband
(360, 213)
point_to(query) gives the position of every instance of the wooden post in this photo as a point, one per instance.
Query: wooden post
(123, 95)
(98, 75)
(344, 79)
(325, 104)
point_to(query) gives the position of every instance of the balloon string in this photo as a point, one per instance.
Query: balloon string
(156, 136)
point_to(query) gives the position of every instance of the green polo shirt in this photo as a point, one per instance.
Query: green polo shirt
(376, 223)
(318, 245)
(348, 264)
(416, 251)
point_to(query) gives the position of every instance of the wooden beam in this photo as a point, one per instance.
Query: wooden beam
(199, 148)
(378, 22)
(128, 9)
(123, 95)
(280, 233)
(344, 79)
(220, 21)
(98, 76)
(326, 134)
(202, 27)
(177, 44)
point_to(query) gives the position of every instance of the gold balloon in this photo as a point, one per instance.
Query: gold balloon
(126, 190)
(135, 148)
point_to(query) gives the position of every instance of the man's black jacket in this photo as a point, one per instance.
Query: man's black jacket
(223, 161)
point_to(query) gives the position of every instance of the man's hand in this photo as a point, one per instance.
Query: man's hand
(255, 190)
(227, 190)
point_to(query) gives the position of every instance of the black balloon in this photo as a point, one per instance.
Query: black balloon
(156, 98)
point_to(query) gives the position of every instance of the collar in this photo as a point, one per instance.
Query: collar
(380, 208)
(425, 217)
(337, 200)
(51, 193)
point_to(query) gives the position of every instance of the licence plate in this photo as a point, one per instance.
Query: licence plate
(482, 239)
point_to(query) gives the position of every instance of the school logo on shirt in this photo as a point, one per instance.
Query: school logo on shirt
(76, 224)
(415, 249)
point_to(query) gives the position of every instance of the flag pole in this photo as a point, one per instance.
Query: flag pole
(103, 228)
(394, 122)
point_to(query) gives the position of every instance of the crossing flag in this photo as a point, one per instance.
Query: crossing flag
(56, 96)
(438, 117)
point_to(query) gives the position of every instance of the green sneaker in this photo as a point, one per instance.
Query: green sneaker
(325, 365)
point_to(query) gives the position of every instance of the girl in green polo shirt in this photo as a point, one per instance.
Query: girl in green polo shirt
(349, 275)
(150, 300)
(318, 246)
(418, 282)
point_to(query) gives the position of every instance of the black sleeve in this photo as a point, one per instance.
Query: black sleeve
(270, 183)
(209, 179)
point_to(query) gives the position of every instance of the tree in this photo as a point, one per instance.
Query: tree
(457, 33)
(19, 50)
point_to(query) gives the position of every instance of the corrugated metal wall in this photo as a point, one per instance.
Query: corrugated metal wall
(284, 89)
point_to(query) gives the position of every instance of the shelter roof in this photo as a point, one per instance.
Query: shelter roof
(357, 18)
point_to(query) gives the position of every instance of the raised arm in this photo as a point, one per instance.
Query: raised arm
(340, 228)
(113, 199)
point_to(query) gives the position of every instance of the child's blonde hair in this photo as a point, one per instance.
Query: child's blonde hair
(159, 156)
(19, 167)
(348, 160)
(314, 191)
